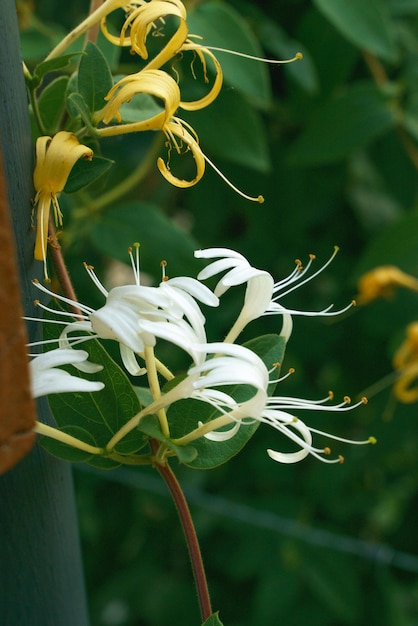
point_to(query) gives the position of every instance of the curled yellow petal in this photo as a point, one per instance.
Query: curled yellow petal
(155, 83)
(201, 51)
(182, 141)
(405, 361)
(382, 281)
(55, 158)
(141, 20)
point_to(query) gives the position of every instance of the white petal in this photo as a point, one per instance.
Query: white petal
(222, 435)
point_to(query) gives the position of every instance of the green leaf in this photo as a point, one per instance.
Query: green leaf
(85, 172)
(51, 104)
(232, 129)
(221, 26)
(150, 426)
(343, 124)
(120, 227)
(78, 108)
(183, 416)
(366, 24)
(213, 620)
(95, 417)
(53, 65)
(94, 77)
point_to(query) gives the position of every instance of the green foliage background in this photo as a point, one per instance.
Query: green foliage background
(331, 142)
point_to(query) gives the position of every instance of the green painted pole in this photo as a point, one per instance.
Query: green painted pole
(41, 579)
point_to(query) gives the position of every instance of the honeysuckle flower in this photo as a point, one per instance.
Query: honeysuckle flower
(55, 158)
(262, 293)
(405, 361)
(135, 316)
(155, 83)
(145, 17)
(275, 415)
(235, 365)
(47, 378)
(382, 281)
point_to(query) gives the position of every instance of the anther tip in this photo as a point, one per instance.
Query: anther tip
(298, 56)
(372, 440)
(341, 458)
(260, 199)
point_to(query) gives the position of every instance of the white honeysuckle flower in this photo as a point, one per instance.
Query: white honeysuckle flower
(262, 293)
(274, 415)
(135, 316)
(47, 378)
(286, 423)
(231, 365)
(238, 271)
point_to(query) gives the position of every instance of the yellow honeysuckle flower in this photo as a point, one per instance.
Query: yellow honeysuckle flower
(141, 20)
(178, 129)
(406, 362)
(381, 281)
(189, 141)
(55, 158)
(152, 82)
(201, 51)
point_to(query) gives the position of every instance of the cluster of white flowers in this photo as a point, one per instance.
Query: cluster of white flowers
(137, 316)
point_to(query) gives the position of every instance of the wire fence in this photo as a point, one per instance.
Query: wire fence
(265, 520)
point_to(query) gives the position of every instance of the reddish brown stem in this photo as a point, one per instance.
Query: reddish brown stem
(190, 534)
(60, 267)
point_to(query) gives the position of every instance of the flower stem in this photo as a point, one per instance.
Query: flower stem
(58, 435)
(85, 25)
(190, 535)
(154, 386)
(60, 267)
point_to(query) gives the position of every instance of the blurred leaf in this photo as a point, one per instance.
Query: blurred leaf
(334, 583)
(213, 620)
(221, 26)
(342, 124)
(36, 44)
(397, 245)
(51, 104)
(94, 77)
(230, 128)
(399, 8)
(161, 239)
(85, 172)
(184, 415)
(366, 24)
(277, 41)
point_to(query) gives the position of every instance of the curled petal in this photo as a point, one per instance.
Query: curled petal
(217, 84)
(155, 83)
(173, 130)
(145, 18)
(47, 378)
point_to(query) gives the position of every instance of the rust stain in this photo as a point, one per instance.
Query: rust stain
(17, 409)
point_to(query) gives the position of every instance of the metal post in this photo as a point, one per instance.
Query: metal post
(41, 579)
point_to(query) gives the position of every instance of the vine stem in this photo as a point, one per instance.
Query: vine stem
(60, 267)
(190, 535)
